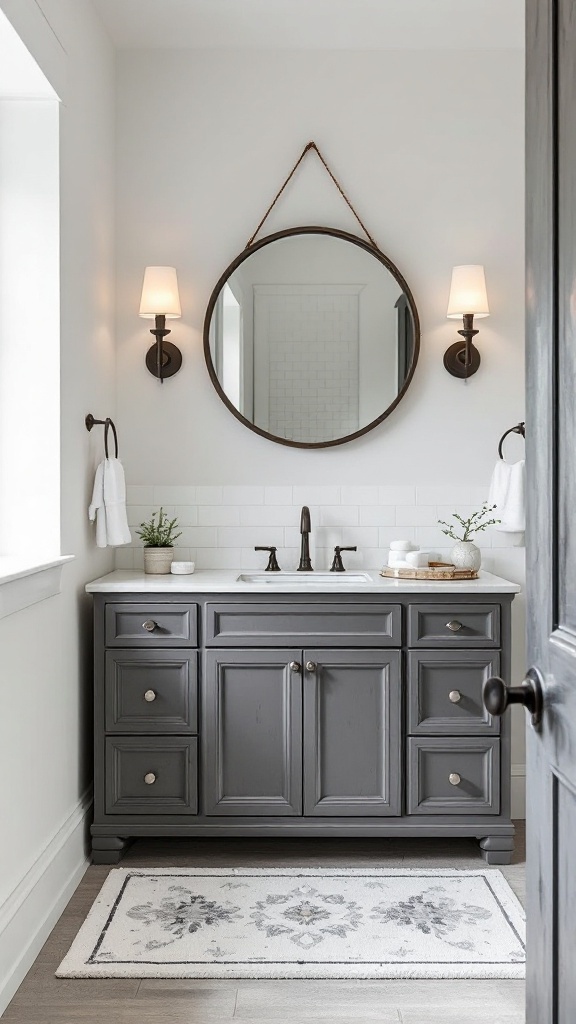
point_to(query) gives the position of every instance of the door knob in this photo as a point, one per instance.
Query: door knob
(497, 696)
(295, 666)
(311, 666)
(149, 625)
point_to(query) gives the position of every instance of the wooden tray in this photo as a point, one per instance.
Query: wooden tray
(434, 571)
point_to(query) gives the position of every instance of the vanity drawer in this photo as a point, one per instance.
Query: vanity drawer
(151, 775)
(451, 625)
(151, 625)
(445, 692)
(278, 625)
(151, 691)
(473, 765)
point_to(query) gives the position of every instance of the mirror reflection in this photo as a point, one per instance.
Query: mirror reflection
(312, 337)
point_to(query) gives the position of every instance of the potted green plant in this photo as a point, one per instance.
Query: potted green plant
(465, 554)
(158, 537)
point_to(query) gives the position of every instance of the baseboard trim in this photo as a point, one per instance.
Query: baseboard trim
(518, 791)
(29, 914)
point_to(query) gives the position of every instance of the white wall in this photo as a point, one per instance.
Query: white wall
(45, 681)
(429, 146)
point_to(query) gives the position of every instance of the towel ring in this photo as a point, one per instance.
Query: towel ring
(520, 428)
(109, 423)
(90, 422)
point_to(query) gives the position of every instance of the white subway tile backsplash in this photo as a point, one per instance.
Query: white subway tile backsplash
(445, 495)
(138, 514)
(394, 494)
(313, 495)
(174, 495)
(209, 495)
(221, 525)
(249, 536)
(377, 515)
(386, 534)
(139, 494)
(278, 495)
(198, 536)
(243, 495)
(187, 515)
(432, 537)
(218, 515)
(416, 515)
(359, 495)
(268, 515)
(218, 558)
(338, 515)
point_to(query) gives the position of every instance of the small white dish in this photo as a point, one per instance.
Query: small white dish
(182, 568)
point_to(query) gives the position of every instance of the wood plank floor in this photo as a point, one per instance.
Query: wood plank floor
(43, 999)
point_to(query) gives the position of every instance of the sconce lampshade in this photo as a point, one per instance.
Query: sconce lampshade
(160, 293)
(468, 292)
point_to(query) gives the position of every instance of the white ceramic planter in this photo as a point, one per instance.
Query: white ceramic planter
(157, 561)
(465, 555)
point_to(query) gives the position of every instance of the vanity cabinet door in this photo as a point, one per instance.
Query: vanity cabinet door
(352, 733)
(252, 732)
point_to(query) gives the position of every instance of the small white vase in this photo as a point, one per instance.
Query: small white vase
(157, 561)
(465, 555)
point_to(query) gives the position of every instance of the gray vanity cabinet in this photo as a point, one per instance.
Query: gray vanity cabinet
(352, 733)
(252, 728)
(341, 714)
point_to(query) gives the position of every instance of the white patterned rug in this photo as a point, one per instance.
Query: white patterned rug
(300, 923)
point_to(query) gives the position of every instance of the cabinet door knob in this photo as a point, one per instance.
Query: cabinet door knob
(455, 696)
(311, 666)
(150, 778)
(454, 625)
(149, 696)
(149, 625)
(454, 779)
(295, 666)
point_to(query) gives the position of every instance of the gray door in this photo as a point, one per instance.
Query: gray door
(352, 733)
(551, 537)
(252, 735)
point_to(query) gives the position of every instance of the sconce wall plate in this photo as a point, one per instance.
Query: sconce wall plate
(455, 360)
(171, 360)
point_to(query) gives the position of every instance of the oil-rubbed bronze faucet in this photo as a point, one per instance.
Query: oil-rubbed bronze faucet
(305, 563)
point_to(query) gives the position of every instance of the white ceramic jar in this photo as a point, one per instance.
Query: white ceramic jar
(465, 555)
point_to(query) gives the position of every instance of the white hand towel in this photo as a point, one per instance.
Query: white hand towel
(96, 510)
(507, 492)
(109, 505)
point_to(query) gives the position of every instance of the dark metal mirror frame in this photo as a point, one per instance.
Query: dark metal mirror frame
(335, 233)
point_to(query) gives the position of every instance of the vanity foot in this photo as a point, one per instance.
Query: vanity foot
(109, 849)
(497, 849)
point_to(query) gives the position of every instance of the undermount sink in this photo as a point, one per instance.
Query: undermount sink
(305, 579)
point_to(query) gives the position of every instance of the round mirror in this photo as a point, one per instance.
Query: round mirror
(311, 337)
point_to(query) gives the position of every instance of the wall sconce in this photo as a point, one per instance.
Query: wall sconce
(468, 299)
(160, 302)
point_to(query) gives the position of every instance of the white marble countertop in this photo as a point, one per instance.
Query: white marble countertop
(224, 581)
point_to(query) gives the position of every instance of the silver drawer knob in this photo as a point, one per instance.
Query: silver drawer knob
(454, 779)
(149, 696)
(149, 625)
(455, 696)
(311, 666)
(454, 625)
(150, 779)
(295, 666)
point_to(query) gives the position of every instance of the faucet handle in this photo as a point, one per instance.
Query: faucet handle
(337, 564)
(272, 561)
